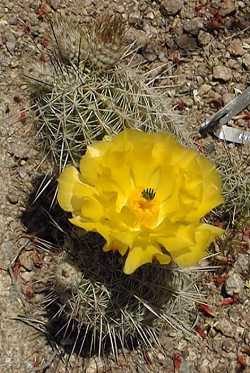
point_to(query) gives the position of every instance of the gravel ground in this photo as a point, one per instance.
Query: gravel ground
(208, 45)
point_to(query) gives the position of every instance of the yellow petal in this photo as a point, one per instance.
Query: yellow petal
(204, 236)
(116, 245)
(138, 256)
(71, 190)
(103, 230)
(92, 209)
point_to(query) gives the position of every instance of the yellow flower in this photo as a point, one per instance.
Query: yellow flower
(146, 195)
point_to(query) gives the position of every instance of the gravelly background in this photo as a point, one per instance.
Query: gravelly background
(208, 43)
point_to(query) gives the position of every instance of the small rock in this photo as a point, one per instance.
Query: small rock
(227, 7)
(55, 4)
(135, 18)
(222, 73)
(150, 15)
(210, 148)
(27, 261)
(204, 38)
(224, 326)
(204, 89)
(246, 61)
(149, 54)
(228, 345)
(235, 48)
(193, 26)
(27, 276)
(187, 42)
(171, 7)
(13, 197)
(138, 37)
(242, 263)
(13, 20)
(234, 284)
(10, 42)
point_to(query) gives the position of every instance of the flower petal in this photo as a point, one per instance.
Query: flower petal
(71, 190)
(138, 256)
(204, 236)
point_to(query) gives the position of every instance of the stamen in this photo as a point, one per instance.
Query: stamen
(148, 194)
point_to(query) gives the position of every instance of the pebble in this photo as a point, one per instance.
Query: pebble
(55, 4)
(26, 260)
(135, 19)
(193, 26)
(13, 197)
(228, 345)
(187, 42)
(204, 38)
(204, 89)
(224, 326)
(171, 7)
(246, 61)
(138, 37)
(242, 263)
(227, 7)
(235, 48)
(222, 73)
(234, 283)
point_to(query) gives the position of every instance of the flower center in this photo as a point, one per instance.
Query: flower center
(148, 194)
(145, 206)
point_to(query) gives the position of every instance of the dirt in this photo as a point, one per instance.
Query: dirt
(204, 48)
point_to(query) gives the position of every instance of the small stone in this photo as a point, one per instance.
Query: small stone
(149, 54)
(187, 42)
(150, 15)
(138, 37)
(204, 38)
(13, 197)
(135, 18)
(224, 326)
(171, 7)
(246, 61)
(11, 43)
(228, 345)
(204, 89)
(222, 73)
(193, 26)
(55, 4)
(26, 260)
(210, 148)
(242, 263)
(234, 284)
(13, 21)
(235, 48)
(27, 276)
(227, 7)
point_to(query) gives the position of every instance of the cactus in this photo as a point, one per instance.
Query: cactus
(233, 164)
(88, 91)
(90, 302)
